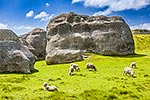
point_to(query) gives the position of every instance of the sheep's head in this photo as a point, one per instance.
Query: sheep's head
(95, 68)
(132, 73)
(77, 69)
(45, 84)
(71, 64)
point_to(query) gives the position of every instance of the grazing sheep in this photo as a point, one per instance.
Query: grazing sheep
(49, 88)
(128, 70)
(90, 66)
(133, 65)
(75, 66)
(71, 70)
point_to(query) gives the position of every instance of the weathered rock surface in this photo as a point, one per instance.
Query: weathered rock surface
(14, 57)
(98, 34)
(36, 42)
(63, 56)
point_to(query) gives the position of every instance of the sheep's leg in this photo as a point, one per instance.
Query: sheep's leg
(123, 73)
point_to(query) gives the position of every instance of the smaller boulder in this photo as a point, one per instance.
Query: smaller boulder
(36, 42)
(63, 56)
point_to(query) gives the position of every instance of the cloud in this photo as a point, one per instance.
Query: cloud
(114, 5)
(47, 4)
(74, 1)
(105, 12)
(30, 14)
(3, 26)
(20, 29)
(141, 26)
(41, 15)
(44, 16)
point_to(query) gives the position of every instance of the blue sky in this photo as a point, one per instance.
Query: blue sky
(22, 16)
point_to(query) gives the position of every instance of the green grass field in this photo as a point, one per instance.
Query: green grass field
(105, 84)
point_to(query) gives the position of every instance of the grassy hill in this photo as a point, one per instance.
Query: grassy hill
(105, 84)
(142, 42)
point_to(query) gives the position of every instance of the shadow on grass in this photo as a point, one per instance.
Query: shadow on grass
(34, 71)
(130, 56)
(74, 74)
(135, 55)
(60, 96)
(95, 94)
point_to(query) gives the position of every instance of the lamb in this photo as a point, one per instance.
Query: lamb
(90, 66)
(49, 88)
(73, 67)
(129, 71)
(133, 65)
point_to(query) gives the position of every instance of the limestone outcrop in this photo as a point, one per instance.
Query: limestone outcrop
(98, 34)
(36, 42)
(14, 56)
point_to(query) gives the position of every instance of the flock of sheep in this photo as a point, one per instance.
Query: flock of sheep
(129, 70)
(90, 66)
(75, 67)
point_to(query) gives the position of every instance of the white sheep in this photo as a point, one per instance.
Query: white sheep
(90, 66)
(133, 65)
(128, 71)
(75, 66)
(71, 70)
(49, 88)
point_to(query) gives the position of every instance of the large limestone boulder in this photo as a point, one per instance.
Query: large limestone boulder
(36, 42)
(14, 57)
(98, 34)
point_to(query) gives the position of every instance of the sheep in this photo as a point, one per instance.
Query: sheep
(128, 70)
(133, 65)
(90, 66)
(75, 66)
(49, 88)
(71, 70)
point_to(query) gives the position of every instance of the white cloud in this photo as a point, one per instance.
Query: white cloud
(44, 16)
(47, 4)
(114, 5)
(74, 1)
(22, 27)
(18, 29)
(30, 14)
(105, 12)
(3, 26)
(41, 15)
(141, 26)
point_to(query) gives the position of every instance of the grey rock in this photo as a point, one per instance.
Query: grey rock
(36, 42)
(98, 34)
(63, 56)
(14, 56)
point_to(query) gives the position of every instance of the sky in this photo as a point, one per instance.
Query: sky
(22, 16)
